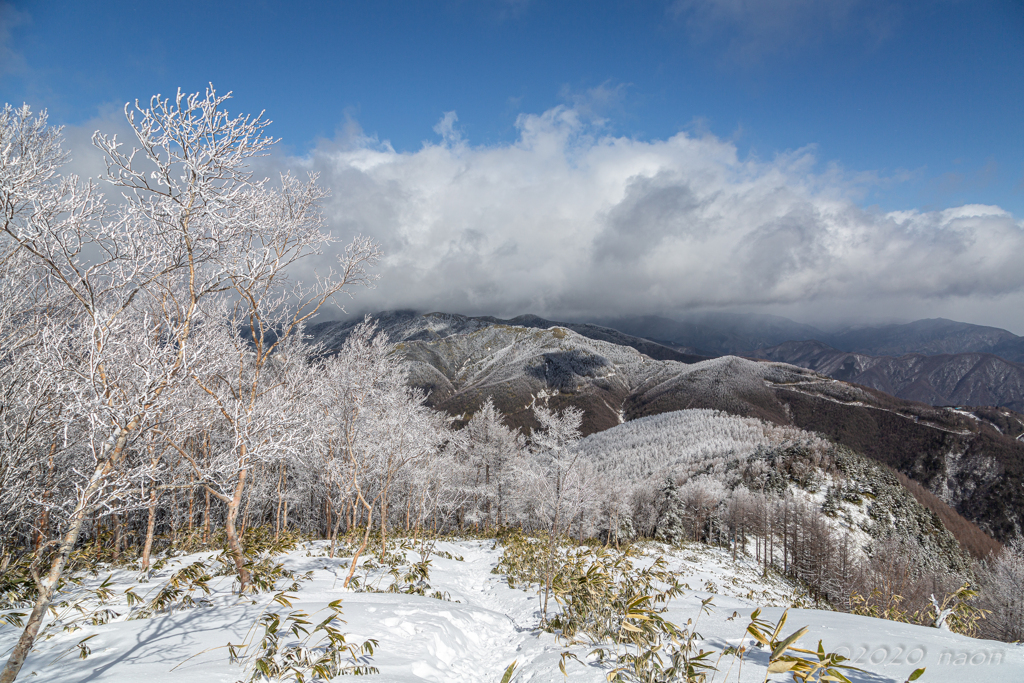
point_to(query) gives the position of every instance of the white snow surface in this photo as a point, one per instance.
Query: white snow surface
(492, 625)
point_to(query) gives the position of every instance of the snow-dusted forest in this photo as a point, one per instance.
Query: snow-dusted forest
(159, 398)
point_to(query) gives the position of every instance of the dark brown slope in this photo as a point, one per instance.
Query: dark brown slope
(946, 379)
(960, 457)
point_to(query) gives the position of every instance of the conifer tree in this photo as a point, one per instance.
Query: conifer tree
(671, 526)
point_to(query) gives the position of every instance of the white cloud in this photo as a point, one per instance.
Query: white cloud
(564, 222)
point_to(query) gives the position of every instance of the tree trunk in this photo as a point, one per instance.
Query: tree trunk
(280, 501)
(552, 543)
(206, 520)
(118, 526)
(616, 529)
(174, 517)
(245, 516)
(408, 512)
(191, 504)
(150, 528)
(383, 522)
(44, 517)
(334, 532)
(234, 545)
(328, 514)
(785, 536)
(48, 586)
(366, 537)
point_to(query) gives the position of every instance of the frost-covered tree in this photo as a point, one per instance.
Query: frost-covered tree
(700, 497)
(494, 452)
(555, 486)
(740, 509)
(615, 509)
(437, 488)
(671, 526)
(135, 289)
(373, 427)
(256, 408)
(1002, 589)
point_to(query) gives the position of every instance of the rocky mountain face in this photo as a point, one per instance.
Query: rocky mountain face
(971, 379)
(973, 459)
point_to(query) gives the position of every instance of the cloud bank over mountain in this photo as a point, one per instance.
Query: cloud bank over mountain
(565, 221)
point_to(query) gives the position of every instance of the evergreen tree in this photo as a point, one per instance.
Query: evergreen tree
(671, 527)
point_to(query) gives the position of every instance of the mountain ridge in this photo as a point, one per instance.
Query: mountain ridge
(407, 325)
(972, 379)
(714, 334)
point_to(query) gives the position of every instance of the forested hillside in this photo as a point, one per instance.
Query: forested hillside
(962, 379)
(721, 463)
(971, 459)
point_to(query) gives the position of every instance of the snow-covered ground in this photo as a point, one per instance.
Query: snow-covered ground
(486, 626)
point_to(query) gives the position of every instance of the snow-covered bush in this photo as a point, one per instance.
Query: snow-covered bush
(1001, 580)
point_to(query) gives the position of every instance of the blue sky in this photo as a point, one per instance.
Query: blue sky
(906, 106)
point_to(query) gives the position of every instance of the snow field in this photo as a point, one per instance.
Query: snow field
(492, 625)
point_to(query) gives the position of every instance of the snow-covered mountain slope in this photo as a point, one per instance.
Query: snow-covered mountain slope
(490, 626)
(680, 442)
(968, 461)
(858, 497)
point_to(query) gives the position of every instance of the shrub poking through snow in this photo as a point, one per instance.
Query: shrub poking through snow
(291, 647)
(957, 611)
(607, 599)
(616, 601)
(785, 657)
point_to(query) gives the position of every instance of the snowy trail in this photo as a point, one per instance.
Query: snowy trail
(790, 386)
(483, 621)
(422, 639)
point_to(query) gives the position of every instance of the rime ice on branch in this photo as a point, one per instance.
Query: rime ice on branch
(130, 307)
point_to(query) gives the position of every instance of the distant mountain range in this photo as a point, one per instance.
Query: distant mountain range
(744, 334)
(973, 459)
(715, 334)
(931, 337)
(937, 361)
(960, 379)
